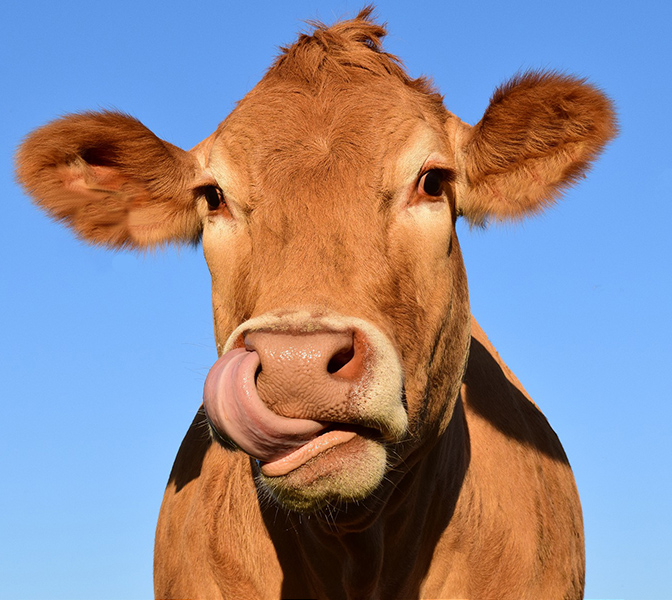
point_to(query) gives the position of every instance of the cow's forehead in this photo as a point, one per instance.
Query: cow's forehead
(287, 134)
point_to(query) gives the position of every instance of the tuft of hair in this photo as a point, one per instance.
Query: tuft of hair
(339, 49)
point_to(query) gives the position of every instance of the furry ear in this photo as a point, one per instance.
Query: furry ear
(112, 180)
(539, 135)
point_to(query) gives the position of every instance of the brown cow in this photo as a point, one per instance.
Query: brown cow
(388, 451)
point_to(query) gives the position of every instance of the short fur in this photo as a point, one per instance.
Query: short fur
(325, 219)
(111, 179)
(538, 136)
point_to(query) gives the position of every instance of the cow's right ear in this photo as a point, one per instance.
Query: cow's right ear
(112, 180)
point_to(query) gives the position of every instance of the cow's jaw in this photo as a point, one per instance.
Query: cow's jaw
(315, 446)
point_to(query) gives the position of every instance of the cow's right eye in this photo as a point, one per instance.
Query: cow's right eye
(213, 196)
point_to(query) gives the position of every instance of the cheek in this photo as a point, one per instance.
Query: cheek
(225, 247)
(436, 296)
(443, 370)
(422, 239)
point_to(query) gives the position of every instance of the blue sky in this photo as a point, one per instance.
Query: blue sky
(103, 355)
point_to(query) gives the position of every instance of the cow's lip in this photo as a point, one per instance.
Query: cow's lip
(334, 434)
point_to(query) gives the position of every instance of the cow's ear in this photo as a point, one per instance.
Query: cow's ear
(538, 135)
(112, 180)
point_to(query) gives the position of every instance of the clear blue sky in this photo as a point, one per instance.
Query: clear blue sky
(103, 355)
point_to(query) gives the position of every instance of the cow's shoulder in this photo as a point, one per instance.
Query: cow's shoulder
(519, 486)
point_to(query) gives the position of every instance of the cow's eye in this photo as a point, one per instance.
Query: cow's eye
(431, 183)
(213, 196)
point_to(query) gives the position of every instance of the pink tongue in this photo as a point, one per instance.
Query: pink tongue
(234, 407)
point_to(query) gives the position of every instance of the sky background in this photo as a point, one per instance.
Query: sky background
(103, 355)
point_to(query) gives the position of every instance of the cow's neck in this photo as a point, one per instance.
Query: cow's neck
(352, 552)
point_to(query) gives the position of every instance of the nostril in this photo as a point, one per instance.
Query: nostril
(339, 360)
(349, 362)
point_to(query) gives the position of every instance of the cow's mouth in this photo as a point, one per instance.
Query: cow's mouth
(333, 435)
(324, 415)
(281, 444)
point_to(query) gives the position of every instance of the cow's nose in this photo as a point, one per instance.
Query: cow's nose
(308, 375)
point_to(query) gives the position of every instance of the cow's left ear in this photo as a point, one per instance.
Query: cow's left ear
(112, 180)
(539, 135)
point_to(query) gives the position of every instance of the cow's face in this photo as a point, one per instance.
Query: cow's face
(329, 232)
(326, 203)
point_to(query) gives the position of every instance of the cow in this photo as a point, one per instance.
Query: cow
(359, 436)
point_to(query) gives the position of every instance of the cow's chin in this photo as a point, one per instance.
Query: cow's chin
(343, 473)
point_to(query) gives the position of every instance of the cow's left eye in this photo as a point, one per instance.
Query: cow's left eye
(431, 183)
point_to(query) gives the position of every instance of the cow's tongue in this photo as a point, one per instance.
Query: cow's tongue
(234, 407)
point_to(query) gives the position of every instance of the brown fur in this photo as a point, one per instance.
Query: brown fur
(320, 166)
(538, 136)
(111, 179)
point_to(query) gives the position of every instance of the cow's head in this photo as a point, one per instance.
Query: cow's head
(326, 203)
